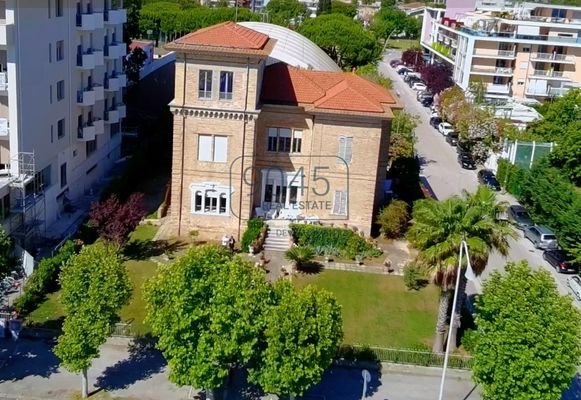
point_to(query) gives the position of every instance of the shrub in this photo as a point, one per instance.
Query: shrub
(114, 220)
(300, 255)
(44, 279)
(413, 277)
(254, 227)
(393, 219)
(334, 240)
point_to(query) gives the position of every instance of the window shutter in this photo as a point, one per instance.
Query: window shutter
(220, 148)
(341, 153)
(337, 202)
(205, 148)
(348, 150)
(343, 209)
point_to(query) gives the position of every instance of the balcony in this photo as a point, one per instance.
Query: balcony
(5, 33)
(495, 54)
(99, 91)
(4, 127)
(550, 74)
(497, 88)
(99, 57)
(99, 125)
(553, 58)
(548, 92)
(513, 36)
(496, 71)
(113, 82)
(86, 97)
(86, 22)
(442, 50)
(86, 132)
(122, 109)
(3, 84)
(115, 50)
(122, 80)
(86, 59)
(115, 17)
(112, 116)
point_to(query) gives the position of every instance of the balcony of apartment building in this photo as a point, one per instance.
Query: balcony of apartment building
(491, 70)
(551, 74)
(549, 15)
(4, 128)
(113, 49)
(494, 50)
(514, 33)
(86, 130)
(87, 19)
(114, 14)
(3, 83)
(115, 81)
(85, 58)
(112, 115)
(90, 94)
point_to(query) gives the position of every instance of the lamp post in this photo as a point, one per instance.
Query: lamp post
(463, 250)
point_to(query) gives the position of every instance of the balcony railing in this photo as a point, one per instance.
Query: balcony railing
(514, 35)
(86, 59)
(443, 49)
(3, 81)
(549, 57)
(498, 88)
(493, 71)
(494, 53)
(548, 73)
(4, 127)
(551, 91)
(86, 97)
(86, 131)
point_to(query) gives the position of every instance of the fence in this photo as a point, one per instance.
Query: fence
(406, 356)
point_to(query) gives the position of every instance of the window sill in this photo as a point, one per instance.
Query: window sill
(213, 162)
(210, 214)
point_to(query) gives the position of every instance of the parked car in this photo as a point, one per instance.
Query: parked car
(435, 114)
(427, 101)
(486, 177)
(403, 70)
(411, 75)
(519, 216)
(419, 86)
(414, 80)
(574, 283)
(452, 139)
(466, 161)
(462, 147)
(395, 63)
(560, 261)
(423, 94)
(435, 121)
(541, 236)
(445, 128)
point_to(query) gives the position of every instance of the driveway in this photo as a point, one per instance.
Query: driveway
(446, 178)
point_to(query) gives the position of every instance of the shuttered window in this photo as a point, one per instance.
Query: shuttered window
(345, 152)
(340, 203)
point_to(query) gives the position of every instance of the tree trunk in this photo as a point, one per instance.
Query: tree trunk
(457, 313)
(441, 325)
(84, 384)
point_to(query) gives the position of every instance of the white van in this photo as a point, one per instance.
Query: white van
(574, 283)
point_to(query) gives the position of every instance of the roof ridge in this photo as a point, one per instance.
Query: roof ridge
(307, 77)
(354, 77)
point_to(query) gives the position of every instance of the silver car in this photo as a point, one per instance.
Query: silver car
(574, 283)
(541, 236)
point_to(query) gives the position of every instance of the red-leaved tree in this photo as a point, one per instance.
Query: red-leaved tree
(437, 77)
(114, 220)
(413, 57)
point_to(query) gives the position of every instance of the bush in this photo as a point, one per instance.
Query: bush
(300, 255)
(334, 240)
(393, 219)
(115, 220)
(413, 277)
(44, 279)
(254, 227)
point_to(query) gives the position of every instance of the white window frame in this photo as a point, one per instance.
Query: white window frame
(203, 195)
(294, 136)
(212, 152)
(206, 92)
(345, 150)
(340, 202)
(228, 77)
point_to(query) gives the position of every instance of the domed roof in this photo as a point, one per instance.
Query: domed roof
(293, 48)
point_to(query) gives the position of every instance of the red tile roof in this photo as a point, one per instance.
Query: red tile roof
(226, 35)
(140, 43)
(339, 91)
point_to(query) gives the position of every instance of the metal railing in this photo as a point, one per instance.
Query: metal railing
(497, 53)
(498, 70)
(552, 57)
(548, 72)
(514, 35)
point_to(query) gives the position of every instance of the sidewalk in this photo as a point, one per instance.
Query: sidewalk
(138, 372)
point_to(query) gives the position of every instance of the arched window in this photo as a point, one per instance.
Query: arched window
(198, 202)
(210, 199)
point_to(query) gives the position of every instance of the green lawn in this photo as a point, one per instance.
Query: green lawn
(378, 310)
(403, 44)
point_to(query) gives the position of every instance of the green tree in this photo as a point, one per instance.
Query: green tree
(557, 116)
(437, 231)
(285, 12)
(206, 308)
(94, 287)
(389, 22)
(527, 345)
(324, 7)
(131, 28)
(403, 138)
(387, 3)
(340, 7)
(567, 154)
(393, 219)
(303, 333)
(8, 262)
(371, 73)
(343, 39)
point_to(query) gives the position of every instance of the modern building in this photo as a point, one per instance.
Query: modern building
(61, 104)
(269, 126)
(529, 50)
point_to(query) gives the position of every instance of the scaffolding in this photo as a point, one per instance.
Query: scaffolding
(27, 200)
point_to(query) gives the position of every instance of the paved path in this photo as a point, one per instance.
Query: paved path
(446, 178)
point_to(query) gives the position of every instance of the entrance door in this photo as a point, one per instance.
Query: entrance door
(280, 190)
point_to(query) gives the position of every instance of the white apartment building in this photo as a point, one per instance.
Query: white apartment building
(61, 105)
(530, 51)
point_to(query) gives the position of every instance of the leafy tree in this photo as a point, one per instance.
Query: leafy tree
(557, 116)
(303, 333)
(324, 7)
(478, 91)
(94, 287)
(451, 103)
(402, 138)
(388, 22)
(438, 77)
(343, 39)
(206, 308)
(340, 7)
(393, 219)
(387, 3)
(8, 262)
(413, 57)
(131, 28)
(114, 220)
(413, 27)
(567, 154)
(527, 345)
(134, 62)
(284, 12)
(437, 231)
(371, 73)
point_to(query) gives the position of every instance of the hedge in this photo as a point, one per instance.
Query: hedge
(253, 228)
(44, 279)
(511, 177)
(343, 240)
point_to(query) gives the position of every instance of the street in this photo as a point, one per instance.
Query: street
(447, 178)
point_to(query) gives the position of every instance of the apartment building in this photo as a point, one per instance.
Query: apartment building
(528, 51)
(61, 104)
(257, 135)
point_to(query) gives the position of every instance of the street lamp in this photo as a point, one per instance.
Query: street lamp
(463, 250)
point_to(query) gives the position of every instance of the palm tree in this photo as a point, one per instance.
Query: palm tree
(438, 228)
